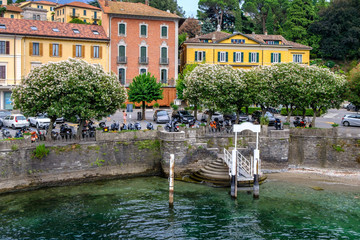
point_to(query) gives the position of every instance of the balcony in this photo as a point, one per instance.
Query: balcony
(74, 15)
(121, 59)
(95, 17)
(164, 61)
(143, 60)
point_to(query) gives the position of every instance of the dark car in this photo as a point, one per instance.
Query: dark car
(183, 116)
(257, 115)
(161, 116)
(232, 116)
(352, 107)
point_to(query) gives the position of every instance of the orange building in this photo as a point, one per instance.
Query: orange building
(143, 39)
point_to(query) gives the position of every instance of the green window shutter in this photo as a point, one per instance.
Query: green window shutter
(218, 56)
(143, 30)
(242, 57)
(196, 54)
(164, 52)
(227, 57)
(164, 31)
(272, 57)
(279, 57)
(122, 28)
(143, 52)
(234, 57)
(204, 56)
(257, 57)
(121, 51)
(249, 57)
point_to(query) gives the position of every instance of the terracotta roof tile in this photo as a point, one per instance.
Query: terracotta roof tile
(209, 36)
(45, 3)
(137, 9)
(299, 46)
(79, 4)
(12, 8)
(45, 28)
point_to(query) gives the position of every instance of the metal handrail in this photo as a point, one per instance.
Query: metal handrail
(227, 159)
(243, 163)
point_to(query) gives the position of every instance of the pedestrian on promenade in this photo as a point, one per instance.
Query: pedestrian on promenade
(124, 116)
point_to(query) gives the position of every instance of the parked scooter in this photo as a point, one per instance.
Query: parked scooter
(6, 133)
(115, 126)
(277, 124)
(299, 122)
(228, 125)
(131, 126)
(137, 126)
(66, 131)
(172, 126)
(124, 127)
(149, 126)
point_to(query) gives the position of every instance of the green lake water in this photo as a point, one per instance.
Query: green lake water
(138, 209)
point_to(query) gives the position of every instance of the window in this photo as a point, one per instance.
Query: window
(11, 16)
(84, 12)
(76, 30)
(37, 17)
(272, 42)
(55, 29)
(2, 26)
(95, 15)
(33, 28)
(34, 17)
(223, 57)
(164, 58)
(78, 51)
(57, 12)
(4, 47)
(1, 2)
(238, 57)
(143, 55)
(36, 49)
(52, 18)
(63, 10)
(2, 72)
(96, 52)
(238, 41)
(84, 20)
(39, 6)
(55, 50)
(164, 31)
(63, 20)
(122, 29)
(73, 12)
(163, 76)
(143, 70)
(51, 8)
(253, 57)
(200, 56)
(275, 57)
(122, 76)
(143, 30)
(95, 32)
(297, 58)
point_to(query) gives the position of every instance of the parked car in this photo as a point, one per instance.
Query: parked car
(255, 116)
(184, 116)
(352, 107)
(161, 116)
(217, 115)
(40, 121)
(3, 114)
(232, 116)
(351, 120)
(15, 121)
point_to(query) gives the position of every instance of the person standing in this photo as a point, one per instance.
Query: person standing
(124, 116)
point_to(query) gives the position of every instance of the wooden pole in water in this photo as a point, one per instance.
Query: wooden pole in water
(171, 181)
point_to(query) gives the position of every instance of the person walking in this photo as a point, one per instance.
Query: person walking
(124, 116)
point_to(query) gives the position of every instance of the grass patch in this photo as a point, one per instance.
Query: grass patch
(338, 148)
(14, 147)
(96, 148)
(98, 162)
(40, 152)
(11, 139)
(148, 144)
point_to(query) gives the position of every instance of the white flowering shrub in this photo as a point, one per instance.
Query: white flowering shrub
(69, 88)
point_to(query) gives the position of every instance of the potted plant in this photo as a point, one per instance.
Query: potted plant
(264, 122)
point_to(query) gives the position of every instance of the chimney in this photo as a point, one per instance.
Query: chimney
(106, 3)
(213, 38)
(253, 33)
(147, 2)
(265, 32)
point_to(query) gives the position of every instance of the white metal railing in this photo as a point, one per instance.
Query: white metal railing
(227, 159)
(244, 165)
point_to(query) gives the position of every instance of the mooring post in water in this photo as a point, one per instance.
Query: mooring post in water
(256, 168)
(233, 174)
(171, 181)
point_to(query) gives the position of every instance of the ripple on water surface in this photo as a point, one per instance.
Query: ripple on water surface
(138, 208)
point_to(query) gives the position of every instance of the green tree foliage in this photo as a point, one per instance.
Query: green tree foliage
(20, 1)
(182, 38)
(353, 93)
(9, 2)
(145, 88)
(220, 12)
(164, 5)
(69, 88)
(94, 3)
(339, 30)
(77, 20)
(208, 26)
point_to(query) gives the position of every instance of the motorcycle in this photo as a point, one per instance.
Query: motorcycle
(6, 133)
(124, 127)
(66, 131)
(131, 126)
(277, 124)
(19, 134)
(228, 126)
(115, 126)
(149, 126)
(137, 126)
(172, 126)
(299, 122)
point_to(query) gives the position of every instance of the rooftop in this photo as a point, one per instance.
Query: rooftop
(51, 29)
(12, 8)
(80, 5)
(133, 9)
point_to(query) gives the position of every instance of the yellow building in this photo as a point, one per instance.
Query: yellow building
(39, 42)
(49, 6)
(242, 51)
(79, 10)
(11, 11)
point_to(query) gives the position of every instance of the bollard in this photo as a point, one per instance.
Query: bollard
(256, 181)
(171, 181)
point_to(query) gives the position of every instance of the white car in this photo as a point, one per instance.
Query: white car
(40, 121)
(15, 121)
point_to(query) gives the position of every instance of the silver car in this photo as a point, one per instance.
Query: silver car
(351, 120)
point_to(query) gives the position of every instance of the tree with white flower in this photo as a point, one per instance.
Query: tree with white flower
(69, 88)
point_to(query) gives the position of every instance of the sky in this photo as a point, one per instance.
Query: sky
(190, 7)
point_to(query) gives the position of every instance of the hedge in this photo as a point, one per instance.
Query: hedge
(251, 109)
(309, 112)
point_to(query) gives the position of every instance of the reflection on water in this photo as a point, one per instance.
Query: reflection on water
(138, 208)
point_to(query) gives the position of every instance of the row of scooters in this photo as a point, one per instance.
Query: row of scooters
(115, 126)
